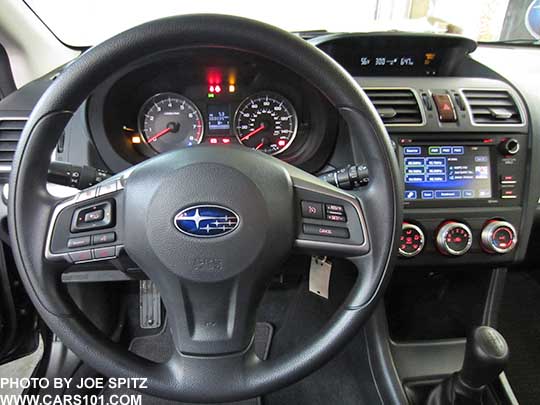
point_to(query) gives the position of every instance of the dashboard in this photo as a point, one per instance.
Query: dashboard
(214, 97)
(465, 137)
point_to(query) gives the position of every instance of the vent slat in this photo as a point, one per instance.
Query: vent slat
(395, 106)
(6, 157)
(10, 133)
(493, 107)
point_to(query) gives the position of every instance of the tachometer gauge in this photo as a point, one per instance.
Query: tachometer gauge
(170, 121)
(266, 122)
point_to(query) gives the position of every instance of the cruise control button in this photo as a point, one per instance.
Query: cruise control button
(336, 218)
(105, 253)
(312, 210)
(335, 208)
(322, 230)
(78, 242)
(81, 256)
(103, 238)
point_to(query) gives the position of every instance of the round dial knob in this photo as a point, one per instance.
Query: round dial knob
(499, 237)
(454, 238)
(510, 146)
(411, 241)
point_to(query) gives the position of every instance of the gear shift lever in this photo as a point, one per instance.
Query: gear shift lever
(486, 355)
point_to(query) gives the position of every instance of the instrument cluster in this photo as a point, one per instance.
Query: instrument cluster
(265, 121)
(209, 96)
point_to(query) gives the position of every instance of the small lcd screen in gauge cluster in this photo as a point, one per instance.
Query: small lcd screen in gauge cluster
(446, 172)
(219, 117)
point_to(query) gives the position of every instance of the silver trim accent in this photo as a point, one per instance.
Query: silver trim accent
(441, 238)
(267, 92)
(194, 207)
(406, 226)
(418, 101)
(59, 208)
(5, 168)
(507, 388)
(488, 232)
(519, 105)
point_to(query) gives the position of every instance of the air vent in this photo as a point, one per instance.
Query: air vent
(396, 106)
(10, 132)
(493, 107)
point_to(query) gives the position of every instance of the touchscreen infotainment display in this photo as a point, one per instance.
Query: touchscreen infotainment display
(446, 172)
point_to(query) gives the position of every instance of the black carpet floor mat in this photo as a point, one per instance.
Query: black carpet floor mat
(519, 322)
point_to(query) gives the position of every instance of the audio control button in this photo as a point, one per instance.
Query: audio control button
(454, 238)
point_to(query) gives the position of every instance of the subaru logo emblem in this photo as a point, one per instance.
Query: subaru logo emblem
(206, 221)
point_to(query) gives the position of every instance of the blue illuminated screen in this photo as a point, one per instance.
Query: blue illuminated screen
(446, 172)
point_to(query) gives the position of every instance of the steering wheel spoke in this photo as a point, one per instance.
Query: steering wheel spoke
(329, 221)
(87, 227)
(209, 319)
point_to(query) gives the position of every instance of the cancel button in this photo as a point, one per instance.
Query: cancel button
(323, 230)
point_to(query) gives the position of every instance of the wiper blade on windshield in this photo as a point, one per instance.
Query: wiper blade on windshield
(515, 41)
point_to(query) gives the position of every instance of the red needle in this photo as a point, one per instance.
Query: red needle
(255, 131)
(159, 134)
(259, 146)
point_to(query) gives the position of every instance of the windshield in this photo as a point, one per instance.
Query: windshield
(85, 23)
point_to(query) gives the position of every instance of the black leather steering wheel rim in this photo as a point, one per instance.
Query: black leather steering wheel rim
(30, 206)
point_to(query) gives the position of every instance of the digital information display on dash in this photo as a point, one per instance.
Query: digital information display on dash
(446, 172)
(219, 117)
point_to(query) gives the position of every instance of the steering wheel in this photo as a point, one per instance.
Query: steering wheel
(210, 286)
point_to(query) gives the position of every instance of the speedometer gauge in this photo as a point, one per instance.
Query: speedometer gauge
(170, 121)
(266, 122)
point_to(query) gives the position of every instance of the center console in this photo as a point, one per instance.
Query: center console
(462, 195)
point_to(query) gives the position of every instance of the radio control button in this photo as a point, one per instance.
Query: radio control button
(411, 241)
(508, 193)
(105, 253)
(508, 179)
(81, 256)
(454, 238)
(499, 237)
(75, 243)
(103, 238)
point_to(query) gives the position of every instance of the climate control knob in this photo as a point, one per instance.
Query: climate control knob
(499, 237)
(411, 241)
(454, 238)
